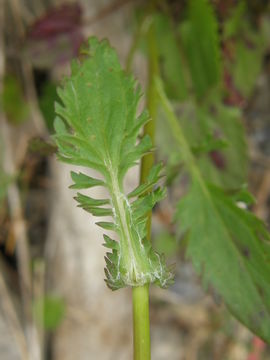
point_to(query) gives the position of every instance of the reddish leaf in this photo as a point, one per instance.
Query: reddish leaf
(60, 20)
(56, 36)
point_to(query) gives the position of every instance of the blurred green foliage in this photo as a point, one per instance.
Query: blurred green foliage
(166, 244)
(46, 102)
(209, 69)
(13, 101)
(200, 39)
(49, 312)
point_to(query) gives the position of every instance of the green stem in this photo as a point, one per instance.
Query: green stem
(153, 72)
(150, 127)
(141, 324)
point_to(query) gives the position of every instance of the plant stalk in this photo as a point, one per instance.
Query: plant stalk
(141, 323)
(140, 295)
(149, 129)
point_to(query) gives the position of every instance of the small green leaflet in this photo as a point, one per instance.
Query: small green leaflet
(228, 245)
(97, 127)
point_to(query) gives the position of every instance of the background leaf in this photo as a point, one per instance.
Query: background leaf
(171, 64)
(199, 34)
(230, 248)
(228, 245)
(216, 136)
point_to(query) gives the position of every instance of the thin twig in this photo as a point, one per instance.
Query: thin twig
(39, 295)
(16, 215)
(22, 249)
(12, 320)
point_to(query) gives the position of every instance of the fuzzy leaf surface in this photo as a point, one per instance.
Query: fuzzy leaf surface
(97, 127)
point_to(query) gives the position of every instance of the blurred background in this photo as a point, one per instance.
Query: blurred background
(214, 59)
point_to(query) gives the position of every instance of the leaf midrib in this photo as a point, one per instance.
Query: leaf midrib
(115, 188)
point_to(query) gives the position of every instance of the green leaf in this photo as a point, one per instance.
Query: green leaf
(109, 243)
(88, 201)
(152, 179)
(199, 34)
(143, 205)
(106, 225)
(97, 127)
(228, 245)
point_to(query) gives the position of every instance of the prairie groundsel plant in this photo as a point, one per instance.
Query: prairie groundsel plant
(97, 127)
